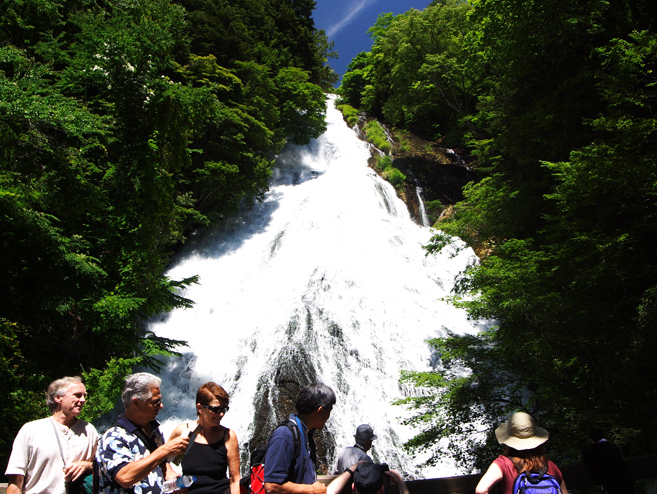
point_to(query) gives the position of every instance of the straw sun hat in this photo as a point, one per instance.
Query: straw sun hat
(521, 432)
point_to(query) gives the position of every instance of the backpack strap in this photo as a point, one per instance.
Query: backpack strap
(258, 455)
(297, 439)
(59, 443)
(297, 434)
(95, 486)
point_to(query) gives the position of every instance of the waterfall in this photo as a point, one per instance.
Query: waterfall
(423, 209)
(326, 280)
(457, 158)
(418, 191)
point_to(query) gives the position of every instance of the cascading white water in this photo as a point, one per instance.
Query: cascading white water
(457, 158)
(326, 278)
(423, 209)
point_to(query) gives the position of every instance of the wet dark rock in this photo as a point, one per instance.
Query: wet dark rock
(439, 181)
(291, 372)
(441, 172)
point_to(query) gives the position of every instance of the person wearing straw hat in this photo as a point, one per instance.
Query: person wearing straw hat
(524, 453)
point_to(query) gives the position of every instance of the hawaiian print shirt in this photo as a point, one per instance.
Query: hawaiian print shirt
(120, 446)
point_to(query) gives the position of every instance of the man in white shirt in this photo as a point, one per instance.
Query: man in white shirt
(49, 453)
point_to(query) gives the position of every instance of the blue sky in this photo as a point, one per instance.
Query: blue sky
(346, 23)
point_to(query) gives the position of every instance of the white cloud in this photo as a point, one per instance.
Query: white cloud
(349, 17)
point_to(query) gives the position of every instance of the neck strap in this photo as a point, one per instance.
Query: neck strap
(61, 451)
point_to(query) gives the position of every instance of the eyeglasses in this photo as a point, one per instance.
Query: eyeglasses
(156, 403)
(217, 409)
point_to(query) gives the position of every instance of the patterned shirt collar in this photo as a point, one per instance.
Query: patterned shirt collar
(131, 427)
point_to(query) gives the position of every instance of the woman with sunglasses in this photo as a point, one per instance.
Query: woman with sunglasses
(213, 449)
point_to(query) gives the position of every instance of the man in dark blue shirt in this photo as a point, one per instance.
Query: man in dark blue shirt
(285, 473)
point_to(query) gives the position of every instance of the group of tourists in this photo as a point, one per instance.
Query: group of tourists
(62, 453)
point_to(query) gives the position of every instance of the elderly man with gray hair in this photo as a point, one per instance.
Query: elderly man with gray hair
(132, 455)
(54, 454)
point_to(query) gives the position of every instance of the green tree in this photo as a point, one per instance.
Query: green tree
(355, 79)
(416, 74)
(117, 139)
(564, 222)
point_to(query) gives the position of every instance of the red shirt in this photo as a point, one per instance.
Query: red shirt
(509, 473)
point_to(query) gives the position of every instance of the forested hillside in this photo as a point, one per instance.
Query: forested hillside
(557, 103)
(125, 125)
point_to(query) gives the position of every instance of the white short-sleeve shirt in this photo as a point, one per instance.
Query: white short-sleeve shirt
(35, 453)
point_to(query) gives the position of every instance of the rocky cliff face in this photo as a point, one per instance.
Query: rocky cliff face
(439, 181)
(439, 171)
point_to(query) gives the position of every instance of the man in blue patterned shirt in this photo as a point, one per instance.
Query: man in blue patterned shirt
(132, 455)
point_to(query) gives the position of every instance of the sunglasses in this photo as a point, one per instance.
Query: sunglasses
(216, 409)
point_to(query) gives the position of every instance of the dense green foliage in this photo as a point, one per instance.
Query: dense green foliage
(350, 113)
(558, 102)
(416, 74)
(389, 172)
(124, 126)
(375, 134)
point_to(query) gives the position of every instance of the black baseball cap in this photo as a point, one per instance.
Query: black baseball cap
(368, 477)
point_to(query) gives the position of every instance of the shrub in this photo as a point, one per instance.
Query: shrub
(350, 113)
(394, 176)
(383, 163)
(402, 136)
(374, 133)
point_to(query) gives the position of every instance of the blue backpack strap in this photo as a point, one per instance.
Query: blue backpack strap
(297, 433)
(519, 483)
(298, 429)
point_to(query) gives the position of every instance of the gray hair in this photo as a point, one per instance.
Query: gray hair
(58, 388)
(139, 386)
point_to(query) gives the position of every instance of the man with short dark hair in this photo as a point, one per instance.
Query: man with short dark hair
(367, 478)
(50, 453)
(358, 452)
(132, 455)
(285, 474)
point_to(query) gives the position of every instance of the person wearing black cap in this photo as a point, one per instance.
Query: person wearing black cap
(358, 452)
(367, 478)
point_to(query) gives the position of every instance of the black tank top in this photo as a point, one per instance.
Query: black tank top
(209, 462)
